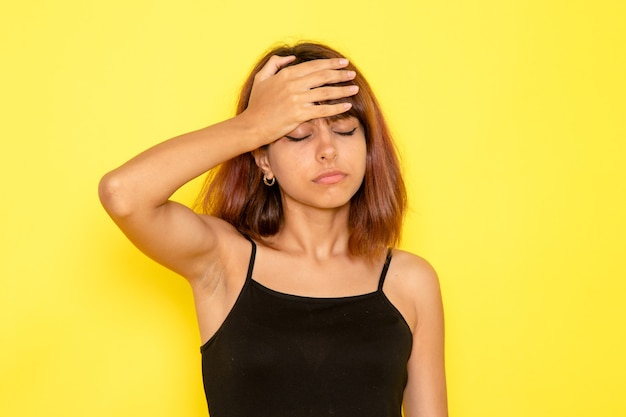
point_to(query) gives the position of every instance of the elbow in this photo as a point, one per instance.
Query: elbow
(114, 196)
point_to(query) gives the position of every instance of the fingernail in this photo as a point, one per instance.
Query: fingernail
(343, 61)
(351, 74)
(354, 88)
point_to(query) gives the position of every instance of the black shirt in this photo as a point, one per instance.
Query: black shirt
(281, 355)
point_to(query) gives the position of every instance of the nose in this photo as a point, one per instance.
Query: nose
(326, 148)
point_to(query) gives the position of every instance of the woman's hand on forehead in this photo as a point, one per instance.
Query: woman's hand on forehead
(285, 96)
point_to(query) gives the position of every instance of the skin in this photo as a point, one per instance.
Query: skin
(318, 166)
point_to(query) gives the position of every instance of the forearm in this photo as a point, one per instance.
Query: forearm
(149, 179)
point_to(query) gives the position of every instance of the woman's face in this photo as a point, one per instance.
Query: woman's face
(320, 164)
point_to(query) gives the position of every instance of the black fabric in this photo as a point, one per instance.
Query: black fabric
(281, 355)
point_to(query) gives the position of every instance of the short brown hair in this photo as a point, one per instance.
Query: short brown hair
(234, 191)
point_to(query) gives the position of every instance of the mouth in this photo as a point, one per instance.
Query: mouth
(330, 177)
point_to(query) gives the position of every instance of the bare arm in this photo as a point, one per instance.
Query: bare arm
(136, 195)
(425, 394)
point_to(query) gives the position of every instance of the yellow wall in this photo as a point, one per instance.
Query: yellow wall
(510, 117)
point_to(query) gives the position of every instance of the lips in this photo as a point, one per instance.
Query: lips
(329, 177)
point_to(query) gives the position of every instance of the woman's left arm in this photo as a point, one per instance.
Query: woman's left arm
(425, 394)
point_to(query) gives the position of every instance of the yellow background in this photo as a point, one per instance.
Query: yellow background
(510, 116)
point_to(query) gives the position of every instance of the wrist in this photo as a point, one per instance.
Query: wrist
(254, 130)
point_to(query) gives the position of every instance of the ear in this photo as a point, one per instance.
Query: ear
(262, 160)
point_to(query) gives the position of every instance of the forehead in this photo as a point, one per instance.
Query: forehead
(332, 119)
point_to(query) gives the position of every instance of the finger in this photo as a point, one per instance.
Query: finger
(274, 65)
(320, 78)
(308, 67)
(328, 110)
(322, 94)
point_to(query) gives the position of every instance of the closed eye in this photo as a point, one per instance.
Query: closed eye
(297, 139)
(348, 133)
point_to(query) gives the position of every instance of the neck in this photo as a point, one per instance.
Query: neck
(316, 233)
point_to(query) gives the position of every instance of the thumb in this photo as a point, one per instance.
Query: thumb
(274, 65)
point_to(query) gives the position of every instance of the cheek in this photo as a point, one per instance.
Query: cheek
(286, 164)
(360, 153)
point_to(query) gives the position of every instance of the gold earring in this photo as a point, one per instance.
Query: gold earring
(269, 182)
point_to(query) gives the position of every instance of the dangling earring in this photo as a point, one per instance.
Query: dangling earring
(269, 182)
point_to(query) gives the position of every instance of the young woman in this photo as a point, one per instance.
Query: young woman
(303, 307)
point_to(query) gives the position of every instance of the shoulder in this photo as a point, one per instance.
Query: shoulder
(413, 270)
(227, 238)
(413, 286)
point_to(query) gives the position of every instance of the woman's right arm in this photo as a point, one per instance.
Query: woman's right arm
(136, 195)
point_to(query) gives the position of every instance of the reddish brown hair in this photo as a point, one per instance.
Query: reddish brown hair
(235, 191)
